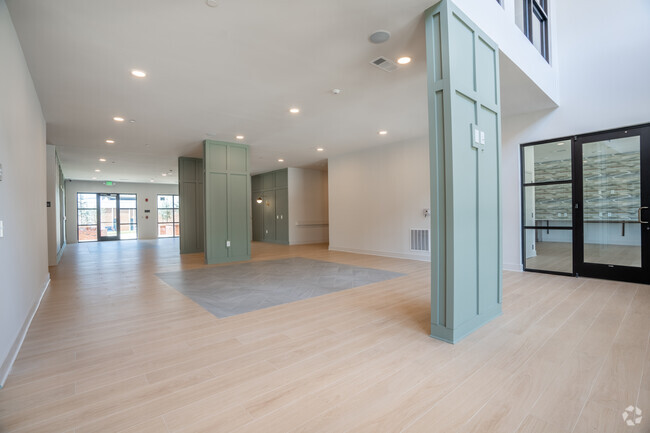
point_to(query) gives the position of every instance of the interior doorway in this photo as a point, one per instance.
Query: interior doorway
(585, 205)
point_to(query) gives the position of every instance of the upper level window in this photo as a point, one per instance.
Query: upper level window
(532, 18)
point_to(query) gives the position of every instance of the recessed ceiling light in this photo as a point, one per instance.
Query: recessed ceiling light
(150, 180)
(404, 60)
(164, 174)
(138, 74)
(383, 132)
(294, 110)
(561, 143)
(239, 137)
(280, 160)
(132, 121)
(102, 159)
(97, 170)
(118, 119)
(109, 141)
(94, 178)
(212, 3)
(319, 149)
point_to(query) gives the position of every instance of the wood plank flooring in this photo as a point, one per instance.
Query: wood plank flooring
(114, 349)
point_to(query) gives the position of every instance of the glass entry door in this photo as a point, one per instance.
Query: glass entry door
(109, 218)
(612, 176)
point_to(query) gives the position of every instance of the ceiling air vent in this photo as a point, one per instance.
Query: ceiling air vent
(384, 64)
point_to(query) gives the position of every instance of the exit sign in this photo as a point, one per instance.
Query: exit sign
(108, 183)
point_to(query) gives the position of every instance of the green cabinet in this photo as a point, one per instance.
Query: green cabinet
(271, 217)
(190, 189)
(227, 202)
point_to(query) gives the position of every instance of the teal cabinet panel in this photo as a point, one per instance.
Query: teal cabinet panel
(282, 215)
(269, 215)
(238, 160)
(216, 185)
(238, 218)
(271, 218)
(190, 190)
(256, 183)
(268, 180)
(465, 140)
(227, 202)
(282, 178)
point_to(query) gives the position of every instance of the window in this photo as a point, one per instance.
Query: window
(168, 216)
(86, 217)
(531, 17)
(106, 216)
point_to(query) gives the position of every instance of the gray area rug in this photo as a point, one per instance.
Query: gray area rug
(235, 289)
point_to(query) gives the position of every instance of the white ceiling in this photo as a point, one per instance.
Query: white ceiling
(233, 69)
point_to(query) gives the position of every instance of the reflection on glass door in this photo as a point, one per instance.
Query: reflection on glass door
(108, 217)
(613, 193)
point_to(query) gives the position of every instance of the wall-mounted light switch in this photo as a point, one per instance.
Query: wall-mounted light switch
(227, 243)
(2, 229)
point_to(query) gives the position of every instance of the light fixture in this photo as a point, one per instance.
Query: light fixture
(380, 36)
(259, 200)
(118, 119)
(383, 132)
(97, 170)
(239, 137)
(132, 121)
(319, 149)
(94, 178)
(404, 60)
(164, 174)
(150, 180)
(138, 74)
(294, 110)
(561, 143)
(109, 141)
(280, 160)
(102, 159)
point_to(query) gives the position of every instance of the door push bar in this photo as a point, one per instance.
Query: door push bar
(639, 215)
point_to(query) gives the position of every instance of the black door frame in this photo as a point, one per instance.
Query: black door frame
(603, 271)
(608, 271)
(101, 238)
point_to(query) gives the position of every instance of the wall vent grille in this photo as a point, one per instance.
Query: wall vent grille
(420, 240)
(384, 64)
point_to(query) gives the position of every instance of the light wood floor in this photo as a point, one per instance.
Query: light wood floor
(113, 349)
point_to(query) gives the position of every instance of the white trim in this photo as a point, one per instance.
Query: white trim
(420, 257)
(324, 241)
(513, 267)
(15, 348)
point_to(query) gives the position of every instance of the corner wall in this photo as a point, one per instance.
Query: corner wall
(147, 227)
(55, 235)
(376, 196)
(23, 249)
(603, 84)
(308, 206)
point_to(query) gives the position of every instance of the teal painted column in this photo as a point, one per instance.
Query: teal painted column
(227, 202)
(465, 141)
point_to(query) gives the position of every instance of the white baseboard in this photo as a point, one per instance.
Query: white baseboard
(15, 348)
(513, 267)
(420, 257)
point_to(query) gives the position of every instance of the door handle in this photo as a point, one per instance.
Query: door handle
(639, 215)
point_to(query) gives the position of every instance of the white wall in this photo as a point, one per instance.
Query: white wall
(376, 196)
(603, 83)
(147, 227)
(23, 249)
(308, 206)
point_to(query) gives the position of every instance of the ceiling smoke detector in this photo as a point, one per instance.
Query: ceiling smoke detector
(379, 37)
(384, 64)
